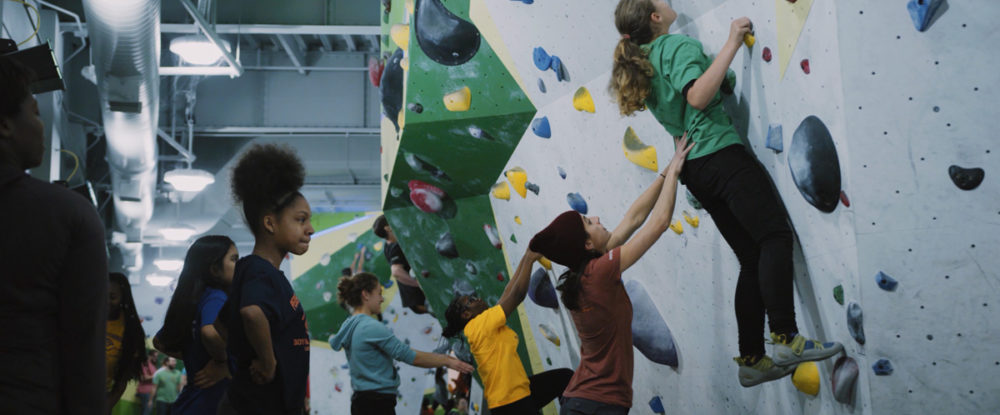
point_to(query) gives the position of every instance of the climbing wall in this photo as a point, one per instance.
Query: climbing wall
(858, 111)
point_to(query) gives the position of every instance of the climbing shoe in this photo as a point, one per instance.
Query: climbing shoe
(790, 352)
(763, 370)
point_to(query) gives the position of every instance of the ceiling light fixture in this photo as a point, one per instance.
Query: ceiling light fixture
(157, 280)
(189, 180)
(169, 264)
(178, 232)
(197, 50)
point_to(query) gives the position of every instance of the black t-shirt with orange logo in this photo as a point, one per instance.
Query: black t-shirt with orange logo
(257, 282)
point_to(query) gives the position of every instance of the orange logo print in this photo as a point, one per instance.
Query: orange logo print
(294, 301)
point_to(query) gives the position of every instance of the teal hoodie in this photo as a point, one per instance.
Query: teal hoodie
(371, 348)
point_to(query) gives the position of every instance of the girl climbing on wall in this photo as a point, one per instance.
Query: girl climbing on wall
(263, 321)
(506, 386)
(593, 291)
(125, 341)
(672, 77)
(188, 331)
(371, 348)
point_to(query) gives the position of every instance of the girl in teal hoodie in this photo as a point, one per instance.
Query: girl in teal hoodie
(371, 348)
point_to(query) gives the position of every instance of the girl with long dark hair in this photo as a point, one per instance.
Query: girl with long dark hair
(188, 331)
(125, 341)
(263, 320)
(671, 76)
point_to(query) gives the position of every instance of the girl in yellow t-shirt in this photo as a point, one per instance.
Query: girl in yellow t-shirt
(125, 341)
(507, 387)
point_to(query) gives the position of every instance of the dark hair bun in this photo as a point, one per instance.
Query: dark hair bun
(263, 179)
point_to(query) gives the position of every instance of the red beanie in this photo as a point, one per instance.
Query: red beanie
(563, 241)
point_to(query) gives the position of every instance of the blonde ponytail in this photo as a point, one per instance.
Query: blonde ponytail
(631, 72)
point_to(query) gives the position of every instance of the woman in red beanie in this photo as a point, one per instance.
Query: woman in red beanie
(592, 288)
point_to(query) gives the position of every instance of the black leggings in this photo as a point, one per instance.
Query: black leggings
(545, 387)
(372, 403)
(737, 192)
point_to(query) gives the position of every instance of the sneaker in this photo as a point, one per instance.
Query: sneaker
(763, 371)
(801, 349)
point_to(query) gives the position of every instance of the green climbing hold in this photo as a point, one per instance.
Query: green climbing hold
(549, 361)
(838, 294)
(513, 238)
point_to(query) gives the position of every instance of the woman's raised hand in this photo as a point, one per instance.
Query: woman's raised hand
(681, 149)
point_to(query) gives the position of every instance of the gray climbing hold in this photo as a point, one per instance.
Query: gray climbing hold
(855, 322)
(845, 373)
(415, 107)
(423, 166)
(471, 268)
(774, 138)
(446, 246)
(693, 201)
(966, 179)
(562, 173)
(391, 88)
(883, 367)
(532, 187)
(541, 291)
(812, 158)
(885, 282)
(541, 85)
(650, 333)
(443, 36)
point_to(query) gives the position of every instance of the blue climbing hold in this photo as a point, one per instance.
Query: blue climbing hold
(576, 202)
(774, 138)
(526, 1)
(541, 85)
(656, 405)
(541, 58)
(885, 282)
(562, 173)
(650, 333)
(922, 11)
(387, 283)
(541, 128)
(541, 291)
(855, 322)
(158, 300)
(882, 367)
(557, 66)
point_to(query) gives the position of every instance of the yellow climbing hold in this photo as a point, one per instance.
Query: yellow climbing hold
(409, 6)
(517, 219)
(401, 119)
(545, 263)
(518, 178)
(400, 34)
(377, 246)
(749, 40)
(404, 63)
(677, 227)
(806, 378)
(501, 191)
(582, 100)
(638, 152)
(459, 100)
(549, 334)
(691, 220)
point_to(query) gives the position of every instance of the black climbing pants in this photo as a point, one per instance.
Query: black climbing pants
(372, 403)
(737, 192)
(545, 387)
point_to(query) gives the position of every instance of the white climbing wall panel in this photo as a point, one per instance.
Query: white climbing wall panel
(900, 110)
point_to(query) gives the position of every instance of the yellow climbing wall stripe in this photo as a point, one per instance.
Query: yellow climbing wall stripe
(480, 15)
(791, 19)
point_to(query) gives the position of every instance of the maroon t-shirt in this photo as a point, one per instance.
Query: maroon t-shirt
(604, 323)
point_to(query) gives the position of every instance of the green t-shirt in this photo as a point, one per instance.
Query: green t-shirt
(167, 382)
(678, 60)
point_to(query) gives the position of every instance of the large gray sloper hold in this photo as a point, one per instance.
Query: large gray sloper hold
(815, 167)
(443, 36)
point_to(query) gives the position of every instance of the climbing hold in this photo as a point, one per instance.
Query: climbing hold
(541, 58)
(544, 262)
(922, 12)
(409, 6)
(501, 191)
(562, 173)
(562, 74)
(471, 268)
(729, 82)
(400, 34)
(775, 141)
(377, 246)
(882, 367)
(443, 36)
(806, 378)
(327, 296)
(426, 197)
(532, 187)
(844, 199)
(966, 179)
(691, 220)
(541, 291)
(159, 300)
(337, 387)
(405, 63)
(500, 276)
(493, 236)
(391, 88)
(428, 330)
(548, 360)
(638, 152)
(656, 405)
(415, 107)
(517, 178)
(749, 40)
(838, 294)
(677, 227)
(541, 85)
(885, 282)
(576, 202)
(650, 333)
(477, 132)
(693, 201)
(815, 167)
(446, 246)
(540, 126)
(402, 119)
(526, 1)
(375, 69)
(458, 101)
(549, 334)
(805, 66)
(855, 322)
(387, 283)
(423, 166)
(395, 191)
(425, 273)
(766, 54)
(845, 373)
(513, 238)
(517, 220)
(320, 285)
(582, 101)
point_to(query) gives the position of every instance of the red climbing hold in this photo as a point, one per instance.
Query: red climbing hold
(844, 199)
(425, 273)
(500, 276)
(805, 66)
(375, 68)
(426, 197)
(791, 1)
(767, 54)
